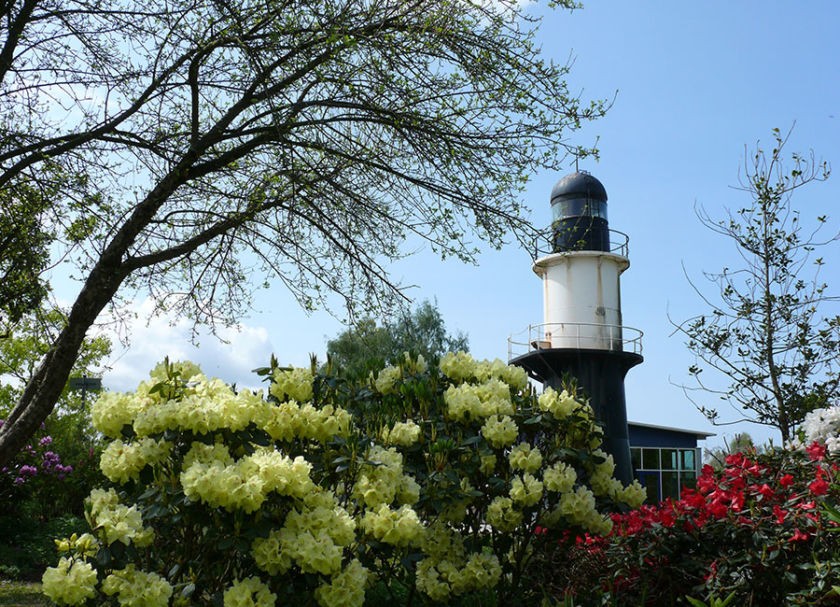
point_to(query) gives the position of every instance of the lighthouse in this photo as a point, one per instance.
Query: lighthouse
(580, 261)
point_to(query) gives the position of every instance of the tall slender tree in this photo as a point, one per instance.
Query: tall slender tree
(771, 331)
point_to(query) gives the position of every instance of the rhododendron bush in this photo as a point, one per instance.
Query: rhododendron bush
(428, 483)
(763, 530)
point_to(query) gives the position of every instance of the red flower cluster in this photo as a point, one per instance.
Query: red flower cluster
(744, 492)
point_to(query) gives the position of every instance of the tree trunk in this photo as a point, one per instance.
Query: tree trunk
(44, 388)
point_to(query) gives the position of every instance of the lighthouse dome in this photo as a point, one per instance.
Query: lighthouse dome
(579, 214)
(579, 185)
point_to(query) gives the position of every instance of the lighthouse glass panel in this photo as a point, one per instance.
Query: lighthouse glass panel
(664, 471)
(578, 207)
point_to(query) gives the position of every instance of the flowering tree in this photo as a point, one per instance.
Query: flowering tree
(431, 481)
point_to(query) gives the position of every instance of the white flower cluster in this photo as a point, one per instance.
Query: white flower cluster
(823, 426)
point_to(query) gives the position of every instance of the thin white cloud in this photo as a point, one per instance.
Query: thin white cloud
(231, 356)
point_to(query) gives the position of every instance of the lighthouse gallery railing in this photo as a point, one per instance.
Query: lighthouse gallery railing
(614, 338)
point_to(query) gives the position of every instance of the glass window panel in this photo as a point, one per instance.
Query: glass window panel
(687, 457)
(670, 485)
(636, 457)
(669, 459)
(688, 480)
(650, 481)
(650, 459)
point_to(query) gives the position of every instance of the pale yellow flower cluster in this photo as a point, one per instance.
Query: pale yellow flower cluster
(401, 527)
(347, 589)
(290, 420)
(121, 461)
(295, 383)
(114, 521)
(526, 458)
(111, 411)
(387, 379)
(383, 481)
(185, 370)
(206, 406)
(441, 579)
(578, 508)
(559, 478)
(500, 431)
(460, 366)
(402, 434)
(84, 545)
(633, 495)
(561, 404)
(502, 515)
(447, 571)
(488, 464)
(137, 588)
(313, 538)
(250, 592)
(467, 402)
(525, 491)
(211, 475)
(72, 582)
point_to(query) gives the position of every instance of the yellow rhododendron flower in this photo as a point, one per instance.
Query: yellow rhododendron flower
(526, 458)
(346, 589)
(526, 491)
(295, 383)
(500, 431)
(137, 588)
(250, 592)
(72, 582)
(502, 515)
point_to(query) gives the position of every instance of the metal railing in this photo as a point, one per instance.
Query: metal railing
(544, 245)
(582, 335)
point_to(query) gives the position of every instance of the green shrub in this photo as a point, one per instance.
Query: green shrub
(422, 485)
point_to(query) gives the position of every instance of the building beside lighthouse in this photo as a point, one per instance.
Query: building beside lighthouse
(580, 260)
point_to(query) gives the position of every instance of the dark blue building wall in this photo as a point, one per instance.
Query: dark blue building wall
(645, 436)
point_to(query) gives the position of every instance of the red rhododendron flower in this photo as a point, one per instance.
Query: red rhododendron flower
(779, 514)
(816, 451)
(786, 480)
(798, 536)
(818, 487)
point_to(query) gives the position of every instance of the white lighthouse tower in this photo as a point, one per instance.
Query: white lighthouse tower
(582, 334)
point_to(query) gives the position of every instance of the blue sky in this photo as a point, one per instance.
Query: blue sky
(694, 83)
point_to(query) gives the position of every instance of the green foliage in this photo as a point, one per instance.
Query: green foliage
(444, 495)
(368, 347)
(307, 143)
(771, 333)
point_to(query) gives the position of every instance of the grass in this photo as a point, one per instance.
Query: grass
(22, 594)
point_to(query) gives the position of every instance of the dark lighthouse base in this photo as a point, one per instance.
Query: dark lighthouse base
(600, 375)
